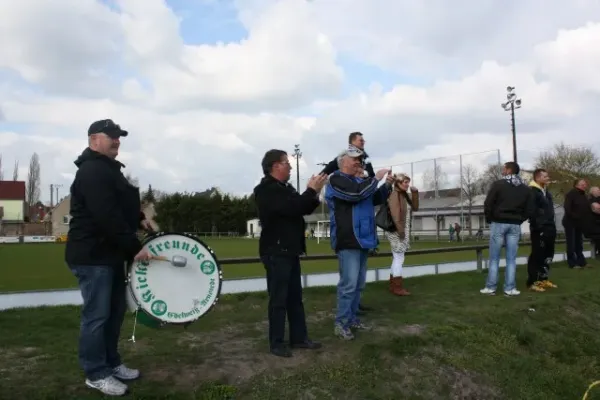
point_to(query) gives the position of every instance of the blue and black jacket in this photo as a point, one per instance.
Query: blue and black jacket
(351, 203)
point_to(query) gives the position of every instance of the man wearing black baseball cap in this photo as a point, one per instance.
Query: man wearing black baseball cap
(102, 240)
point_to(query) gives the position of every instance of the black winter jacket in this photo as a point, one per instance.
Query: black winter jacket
(281, 211)
(509, 201)
(333, 166)
(105, 213)
(544, 218)
(577, 209)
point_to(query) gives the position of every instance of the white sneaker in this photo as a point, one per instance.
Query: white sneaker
(125, 374)
(109, 386)
(487, 291)
(513, 292)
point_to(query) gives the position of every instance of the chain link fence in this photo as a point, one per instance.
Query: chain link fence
(451, 194)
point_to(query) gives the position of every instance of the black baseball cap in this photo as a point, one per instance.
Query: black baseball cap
(108, 127)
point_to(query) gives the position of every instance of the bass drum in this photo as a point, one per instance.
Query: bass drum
(178, 286)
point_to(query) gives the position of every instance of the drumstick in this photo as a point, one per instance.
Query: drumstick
(176, 261)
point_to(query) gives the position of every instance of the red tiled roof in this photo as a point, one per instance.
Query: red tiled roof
(12, 190)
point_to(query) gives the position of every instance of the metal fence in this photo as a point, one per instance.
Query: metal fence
(452, 189)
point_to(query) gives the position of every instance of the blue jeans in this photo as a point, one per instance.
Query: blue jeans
(503, 234)
(102, 314)
(353, 276)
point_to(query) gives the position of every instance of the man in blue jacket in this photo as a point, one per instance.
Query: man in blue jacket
(351, 201)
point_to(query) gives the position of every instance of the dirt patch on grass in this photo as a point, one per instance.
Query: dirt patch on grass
(464, 385)
(234, 366)
(17, 360)
(233, 357)
(320, 316)
(400, 330)
(425, 376)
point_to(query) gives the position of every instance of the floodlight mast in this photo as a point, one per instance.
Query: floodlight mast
(511, 105)
(297, 154)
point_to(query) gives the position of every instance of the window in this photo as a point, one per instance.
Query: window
(482, 223)
(66, 219)
(417, 224)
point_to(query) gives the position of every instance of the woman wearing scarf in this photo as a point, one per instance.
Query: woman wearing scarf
(401, 206)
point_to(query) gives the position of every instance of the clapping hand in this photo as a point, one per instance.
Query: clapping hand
(390, 179)
(317, 182)
(413, 189)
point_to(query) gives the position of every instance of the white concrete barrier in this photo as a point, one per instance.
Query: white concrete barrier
(73, 296)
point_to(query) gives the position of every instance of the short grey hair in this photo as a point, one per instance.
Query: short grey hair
(351, 151)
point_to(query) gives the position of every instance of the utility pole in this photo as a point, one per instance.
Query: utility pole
(297, 154)
(57, 187)
(511, 105)
(53, 187)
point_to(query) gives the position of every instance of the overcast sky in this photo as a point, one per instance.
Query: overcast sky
(205, 87)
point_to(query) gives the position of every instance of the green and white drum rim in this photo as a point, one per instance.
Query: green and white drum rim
(170, 294)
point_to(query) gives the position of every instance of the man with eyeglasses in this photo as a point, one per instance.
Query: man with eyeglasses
(102, 240)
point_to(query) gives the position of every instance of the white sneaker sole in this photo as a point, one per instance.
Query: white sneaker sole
(116, 393)
(126, 378)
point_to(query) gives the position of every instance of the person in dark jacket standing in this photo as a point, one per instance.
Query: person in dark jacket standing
(507, 205)
(281, 211)
(543, 234)
(105, 216)
(577, 208)
(357, 140)
(594, 232)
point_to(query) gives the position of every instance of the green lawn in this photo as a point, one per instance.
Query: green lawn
(36, 266)
(446, 341)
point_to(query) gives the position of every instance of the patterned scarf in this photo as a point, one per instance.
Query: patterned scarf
(514, 180)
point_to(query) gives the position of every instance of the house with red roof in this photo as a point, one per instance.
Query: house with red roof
(14, 209)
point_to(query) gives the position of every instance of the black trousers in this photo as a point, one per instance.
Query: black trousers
(542, 253)
(285, 299)
(574, 238)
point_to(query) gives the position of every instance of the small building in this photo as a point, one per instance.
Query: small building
(253, 228)
(13, 208)
(60, 216)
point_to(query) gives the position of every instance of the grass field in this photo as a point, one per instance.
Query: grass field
(37, 266)
(446, 341)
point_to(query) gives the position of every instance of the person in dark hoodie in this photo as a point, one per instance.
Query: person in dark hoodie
(106, 214)
(281, 211)
(543, 234)
(576, 221)
(508, 204)
(357, 140)
(594, 233)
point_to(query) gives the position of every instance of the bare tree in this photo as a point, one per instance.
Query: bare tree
(33, 180)
(435, 178)
(491, 174)
(16, 171)
(471, 187)
(566, 163)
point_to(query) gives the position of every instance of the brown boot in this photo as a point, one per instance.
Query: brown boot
(397, 288)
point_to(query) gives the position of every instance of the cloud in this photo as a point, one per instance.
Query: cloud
(202, 113)
(284, 62)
